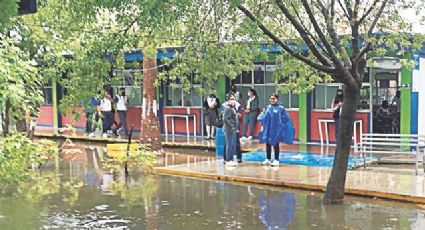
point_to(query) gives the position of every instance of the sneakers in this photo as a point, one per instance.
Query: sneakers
(266, 162)
(249, 138)
(92, 135)
(275, 163)
(232, 163)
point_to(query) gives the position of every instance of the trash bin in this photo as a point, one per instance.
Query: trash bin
(219, 142)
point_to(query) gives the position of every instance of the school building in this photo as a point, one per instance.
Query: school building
(311, 111)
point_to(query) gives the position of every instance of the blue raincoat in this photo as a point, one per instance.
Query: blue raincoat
(277, 126)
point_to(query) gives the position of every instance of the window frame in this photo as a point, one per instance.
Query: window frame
(183, 94)
(123, 83)
(276, 65)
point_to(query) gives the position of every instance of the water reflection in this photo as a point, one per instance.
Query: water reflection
(84, 196)
(277, 209)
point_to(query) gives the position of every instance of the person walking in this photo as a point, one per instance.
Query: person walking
(277, 127)
(251, 112)
(230, 126)
(106, 109)
(122, 101)
(336, 106)
(211, 106)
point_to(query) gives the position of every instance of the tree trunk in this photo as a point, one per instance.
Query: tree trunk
(6, 118)
(150, 130)
(336, 184)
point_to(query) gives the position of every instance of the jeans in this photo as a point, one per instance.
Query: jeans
(108, 120)
(231, 148)
(336, 120)
(250, 118)
(269, 151)
(89, 122)
(123, 121)
(238, 148)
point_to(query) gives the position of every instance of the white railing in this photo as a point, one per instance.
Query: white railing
(411, 144)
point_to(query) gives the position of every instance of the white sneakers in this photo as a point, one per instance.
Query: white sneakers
(274, 163)
(266, 162)
(246, 138)
(232, 163)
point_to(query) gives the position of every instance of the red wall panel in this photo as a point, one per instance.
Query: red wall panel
(46, 115)
(180, 123)
(314, 126)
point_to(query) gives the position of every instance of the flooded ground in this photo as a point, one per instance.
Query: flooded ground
(77, 193)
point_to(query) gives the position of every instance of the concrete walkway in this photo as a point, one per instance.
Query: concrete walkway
(401, 187)
(365, 182)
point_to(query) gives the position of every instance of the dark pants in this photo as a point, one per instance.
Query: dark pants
(123, 121)
(89, 122)
(238, 148)
(250, 118)
(230, 137)
(108, 120)
(269, 151)
(336, 121)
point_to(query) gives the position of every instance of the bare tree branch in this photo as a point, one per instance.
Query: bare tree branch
(303, 34)
(324, 68)
(343, 9)
(367, 12)
(319, 43)
(377, 17)
(322, 36)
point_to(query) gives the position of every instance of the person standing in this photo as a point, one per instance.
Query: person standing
(106, 109)
(277, 127)
(336, 106)
(230, 126)
(122, 101)
(211, 106)
(251, 112)
(90, 110)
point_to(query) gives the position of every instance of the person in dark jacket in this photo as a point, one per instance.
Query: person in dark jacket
(230, 126)
(251, 112)
(211, 106)
(277, 127)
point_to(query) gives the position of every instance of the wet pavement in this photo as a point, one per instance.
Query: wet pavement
(78, 193)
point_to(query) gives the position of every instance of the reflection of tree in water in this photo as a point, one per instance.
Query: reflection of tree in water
(136, 192)
(140, 192)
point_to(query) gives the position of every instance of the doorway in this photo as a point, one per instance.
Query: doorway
(385, 77)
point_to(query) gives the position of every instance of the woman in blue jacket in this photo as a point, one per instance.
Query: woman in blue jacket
(277, 127)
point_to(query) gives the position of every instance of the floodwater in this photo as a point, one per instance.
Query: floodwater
(78, 194)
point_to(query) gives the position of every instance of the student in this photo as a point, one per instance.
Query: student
(277, 127)
(122, 101)
(106, 109)
(230, 126)
(238, 108)
(211, 105)
(251, 112)
(336, 106)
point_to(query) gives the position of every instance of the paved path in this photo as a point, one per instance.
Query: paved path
(400, 187)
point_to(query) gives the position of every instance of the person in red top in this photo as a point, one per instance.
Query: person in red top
(336, 108)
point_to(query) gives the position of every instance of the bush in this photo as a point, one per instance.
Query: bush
(18, 154)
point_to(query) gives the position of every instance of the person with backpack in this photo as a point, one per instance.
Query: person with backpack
(121, 101)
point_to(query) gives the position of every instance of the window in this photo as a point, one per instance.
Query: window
(263, 81)
(176, 96)
(47, 93)
(323, 95)
(364, 97)
(130, 79)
